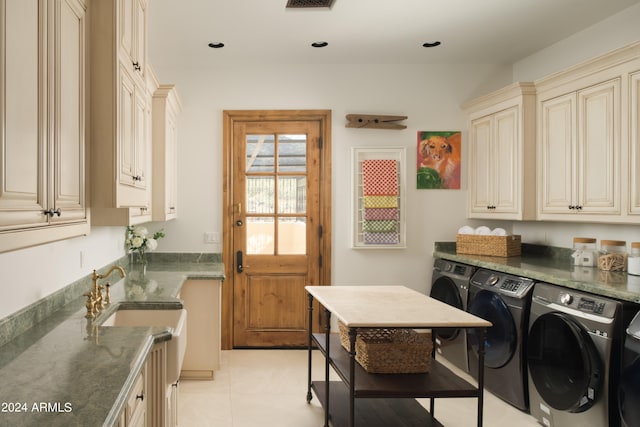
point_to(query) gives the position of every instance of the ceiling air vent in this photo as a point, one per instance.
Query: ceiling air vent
(309, 3)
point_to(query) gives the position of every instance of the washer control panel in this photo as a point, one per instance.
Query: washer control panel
(503, 283)
(582, 303)
(452, 269)
(548, 294)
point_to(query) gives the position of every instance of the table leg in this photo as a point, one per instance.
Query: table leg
(352, 368)
(481, 352)
(432, 401)
(327, 366)
(310, 309)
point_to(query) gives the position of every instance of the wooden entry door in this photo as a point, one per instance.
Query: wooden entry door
(276, 228)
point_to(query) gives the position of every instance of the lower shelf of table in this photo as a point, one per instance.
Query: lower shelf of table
(373, 412)
(438, 382)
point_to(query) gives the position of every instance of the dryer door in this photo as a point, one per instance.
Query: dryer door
(444, 289)
(501, 338)
(564, 363)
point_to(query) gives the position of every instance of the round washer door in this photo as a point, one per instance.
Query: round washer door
(501, 338)
(563, 362)
(444, 289)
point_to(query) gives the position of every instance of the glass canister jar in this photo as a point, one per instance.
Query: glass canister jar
(584, 251)
(634, 259)
(613, 255)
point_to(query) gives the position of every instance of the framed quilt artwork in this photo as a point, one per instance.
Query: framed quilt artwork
(378, 207)
(439, 156)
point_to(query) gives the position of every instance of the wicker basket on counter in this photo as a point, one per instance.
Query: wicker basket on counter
(390, 351)
(501, 246)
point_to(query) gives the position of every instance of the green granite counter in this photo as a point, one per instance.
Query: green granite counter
(68, 371)
(552, 265)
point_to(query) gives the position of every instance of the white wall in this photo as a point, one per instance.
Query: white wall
(33, 273)
(429, 95)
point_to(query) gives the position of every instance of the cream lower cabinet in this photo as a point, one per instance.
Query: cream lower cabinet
(135, 410)
(502, 154)
(42, 116)
(202, 300)
(120, 114)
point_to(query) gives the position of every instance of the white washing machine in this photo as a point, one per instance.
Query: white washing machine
(450, 284)
(573, 355)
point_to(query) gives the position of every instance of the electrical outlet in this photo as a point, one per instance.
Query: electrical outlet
(211, 237)
(81, 259)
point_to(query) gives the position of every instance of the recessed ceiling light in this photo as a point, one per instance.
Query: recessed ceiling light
(319, 44)
(431, 44)
(217, 45)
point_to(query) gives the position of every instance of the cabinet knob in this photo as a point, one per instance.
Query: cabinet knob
(136, 66)
(140, 396)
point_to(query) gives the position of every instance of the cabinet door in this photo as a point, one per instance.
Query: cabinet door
(505, 165)
(126, 129)
(172, 167)
(634, 143)
(132, 24)
(68, 189)
(599, 149)
(140, 40)
(126, 30)
(141, 142)
(557, 159)
(480, 174)
(22, 141)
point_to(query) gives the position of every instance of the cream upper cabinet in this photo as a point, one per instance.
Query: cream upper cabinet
(634, 139)
(42, 117)
(502, 154)
(166, 106)
(120, 114)
(579, 152)
(588, 140)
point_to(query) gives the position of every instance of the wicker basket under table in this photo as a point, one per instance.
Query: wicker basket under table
(390, 351)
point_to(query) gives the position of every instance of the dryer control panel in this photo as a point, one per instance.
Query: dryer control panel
(503, 283)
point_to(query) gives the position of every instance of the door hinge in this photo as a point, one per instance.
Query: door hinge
(320, 261)
(320, 231)
(320, 142)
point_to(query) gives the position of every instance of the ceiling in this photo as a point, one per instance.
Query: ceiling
(366, 31)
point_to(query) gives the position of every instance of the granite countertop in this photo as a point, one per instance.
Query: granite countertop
(552, 265)
(67, 370)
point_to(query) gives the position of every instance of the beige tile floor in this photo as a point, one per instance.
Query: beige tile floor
(268, 388)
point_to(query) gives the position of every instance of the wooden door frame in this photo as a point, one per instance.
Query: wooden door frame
(229, 118)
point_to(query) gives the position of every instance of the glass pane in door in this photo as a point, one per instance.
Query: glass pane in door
(260, 149)
(292, 153)
(292, 194)
(260, 236)
(260, 195)
(292, 236)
